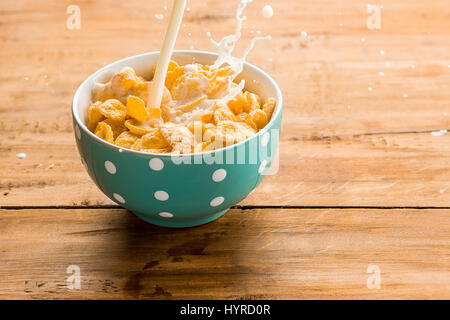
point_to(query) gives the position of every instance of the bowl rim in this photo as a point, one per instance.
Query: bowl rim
(82, 125)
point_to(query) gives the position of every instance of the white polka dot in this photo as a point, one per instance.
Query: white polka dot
(77, 132)
(219, 175)
(110, 167)
(216, 201)
(118, 197)
(161, 195)
(265, 139)
(262, 166)
(166, 214)
(156, 164)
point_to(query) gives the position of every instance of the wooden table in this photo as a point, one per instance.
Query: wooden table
(363, 184)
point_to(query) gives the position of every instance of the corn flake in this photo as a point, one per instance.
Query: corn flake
(94, 115)
(136, 108)
(113, 109)
(139, 128)
(126, 139)
(104, 131)
(192, 117)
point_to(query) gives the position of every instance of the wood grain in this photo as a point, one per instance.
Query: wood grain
(342, 146)
(252, 254)
(366, 170)
(336, 134)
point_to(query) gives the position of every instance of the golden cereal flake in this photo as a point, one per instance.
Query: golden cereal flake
(125, 80)
(269, 107)
(104, 131)
(153, 140)
(174, 71)
(126, 139)
(253, 102)
(238, 103)
(191, 99)
(94, 115)
(230, 132)
(188, 106)
(223, 113)
(219, 82)
(179, 137)
(139, 128)
(259, 117)
(143, 92)
(136, 108)
(113, 109)
(117, 126)
(245, 117)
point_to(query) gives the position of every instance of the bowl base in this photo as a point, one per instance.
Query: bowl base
(168, 222)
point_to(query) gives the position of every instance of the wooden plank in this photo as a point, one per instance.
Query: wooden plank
(368, 170)
(324, 158)
(261, 253)
(334, 68)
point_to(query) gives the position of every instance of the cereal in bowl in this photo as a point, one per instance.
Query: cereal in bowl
(202, 109)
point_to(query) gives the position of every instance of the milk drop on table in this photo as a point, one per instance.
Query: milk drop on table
(267, 11)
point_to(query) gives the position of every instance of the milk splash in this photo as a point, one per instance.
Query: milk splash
(225, 48)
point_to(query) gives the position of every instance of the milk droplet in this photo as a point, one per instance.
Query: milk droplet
(165, 7)
(413, 66)
(381, 73)
(388, 64)
(159, 16)
(439, 133)
(267, 11)
(26, 78)
(21, 155)
(382, 52)
(208, 34)
(188, 9)
(405, 95)
(370, 89)
(258, 32)
(363, 39)
(341, 25)
(304, 34)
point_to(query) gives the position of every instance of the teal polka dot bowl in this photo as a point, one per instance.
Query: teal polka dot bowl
(185, 190)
